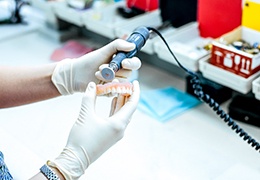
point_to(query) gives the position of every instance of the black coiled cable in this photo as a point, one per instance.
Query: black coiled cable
(210, 101)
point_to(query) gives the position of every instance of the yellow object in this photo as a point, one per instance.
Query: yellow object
(251, 15)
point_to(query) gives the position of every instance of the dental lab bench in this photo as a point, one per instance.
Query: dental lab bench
(195, 145)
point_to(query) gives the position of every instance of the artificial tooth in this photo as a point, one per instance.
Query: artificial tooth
(119, 90)
(108, 90)
(113, 90)
(123, 89)
(128, 90)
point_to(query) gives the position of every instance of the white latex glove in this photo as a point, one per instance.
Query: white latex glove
(73, 75)
(92, 135)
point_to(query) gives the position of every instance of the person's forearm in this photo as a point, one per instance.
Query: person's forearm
(24, 85)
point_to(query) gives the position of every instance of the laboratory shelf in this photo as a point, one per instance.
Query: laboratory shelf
(40, 4)
(187, 45)
(46, 7)
(71, 15)
(256, 88)
(105, 20)
(226, 78)
(149, 19)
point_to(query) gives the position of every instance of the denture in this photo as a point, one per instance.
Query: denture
(112, 88)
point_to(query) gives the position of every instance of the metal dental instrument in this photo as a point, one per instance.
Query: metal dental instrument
(138, 37)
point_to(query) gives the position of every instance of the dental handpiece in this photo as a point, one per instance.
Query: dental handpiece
(138, 37)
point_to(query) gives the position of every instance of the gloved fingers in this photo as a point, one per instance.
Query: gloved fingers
(133, 63)
(118, 45)
(126, 111)
(89, 99)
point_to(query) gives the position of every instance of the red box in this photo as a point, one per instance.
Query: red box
(218, 17)
(143, 5)
(236, 61)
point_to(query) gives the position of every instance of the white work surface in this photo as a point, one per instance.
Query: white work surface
(196, 145)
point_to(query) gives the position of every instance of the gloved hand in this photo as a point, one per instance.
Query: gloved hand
(92, 135)
(73, 75)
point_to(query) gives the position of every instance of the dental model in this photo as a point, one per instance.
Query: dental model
(113, 88)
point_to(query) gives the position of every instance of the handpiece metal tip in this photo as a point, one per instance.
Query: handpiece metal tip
(108, 73)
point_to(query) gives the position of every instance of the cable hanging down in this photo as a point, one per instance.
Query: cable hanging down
(210, 101)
